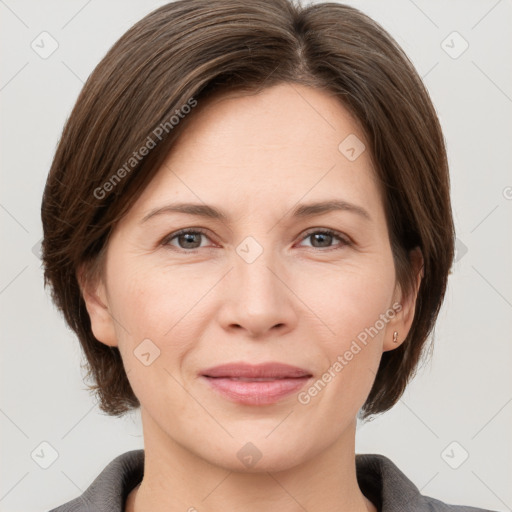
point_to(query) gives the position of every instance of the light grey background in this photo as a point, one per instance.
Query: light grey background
(464, 394)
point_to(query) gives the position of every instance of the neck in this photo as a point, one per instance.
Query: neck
(175, 479)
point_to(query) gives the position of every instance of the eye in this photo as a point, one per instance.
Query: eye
(322, 238)
(186, 239)
(190, 239)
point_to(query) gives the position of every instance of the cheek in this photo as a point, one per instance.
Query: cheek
(162, 304)
(348, 298)
(153, 308)
(350, 304)
(151, 300)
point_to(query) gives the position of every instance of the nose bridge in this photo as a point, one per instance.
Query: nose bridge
(255, 269)
(258, 299)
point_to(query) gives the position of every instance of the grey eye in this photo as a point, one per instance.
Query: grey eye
(186, 239)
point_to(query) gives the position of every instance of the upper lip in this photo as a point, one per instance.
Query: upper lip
(264, 370)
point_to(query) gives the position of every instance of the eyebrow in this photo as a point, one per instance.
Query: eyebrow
(301, 211)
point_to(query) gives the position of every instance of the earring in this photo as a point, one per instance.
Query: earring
(395, 337)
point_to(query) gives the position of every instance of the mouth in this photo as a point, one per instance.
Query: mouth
(262, 384)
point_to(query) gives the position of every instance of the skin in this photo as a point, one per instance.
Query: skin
(302, 302)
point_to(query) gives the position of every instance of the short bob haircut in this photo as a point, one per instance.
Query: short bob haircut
(188, 50)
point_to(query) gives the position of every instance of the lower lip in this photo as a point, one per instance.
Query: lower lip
(256, 392)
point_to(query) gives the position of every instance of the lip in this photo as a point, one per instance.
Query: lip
(263, 370)
(261, 384)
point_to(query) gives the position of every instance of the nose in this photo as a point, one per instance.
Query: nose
(257, 298)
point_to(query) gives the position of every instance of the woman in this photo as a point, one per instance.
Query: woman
(247, 223)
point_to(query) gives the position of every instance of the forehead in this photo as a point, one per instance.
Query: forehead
(277, 145)
(284, 114)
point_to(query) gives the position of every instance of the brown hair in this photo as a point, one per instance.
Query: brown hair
(190, 49)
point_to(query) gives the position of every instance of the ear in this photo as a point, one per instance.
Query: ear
(402, 321)
(96, 301)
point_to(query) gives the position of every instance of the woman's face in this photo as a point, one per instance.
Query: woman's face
(263, 283)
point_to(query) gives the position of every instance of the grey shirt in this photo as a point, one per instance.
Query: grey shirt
(379, 480)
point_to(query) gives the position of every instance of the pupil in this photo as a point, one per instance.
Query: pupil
(321, 237)
(189, 238)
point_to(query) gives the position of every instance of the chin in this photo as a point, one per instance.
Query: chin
(270, 461)
(255, 454)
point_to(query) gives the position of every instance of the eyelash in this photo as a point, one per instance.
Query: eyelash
(330, 232)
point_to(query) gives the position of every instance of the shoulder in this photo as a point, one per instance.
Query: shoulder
(389, 489)
(108, 492)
